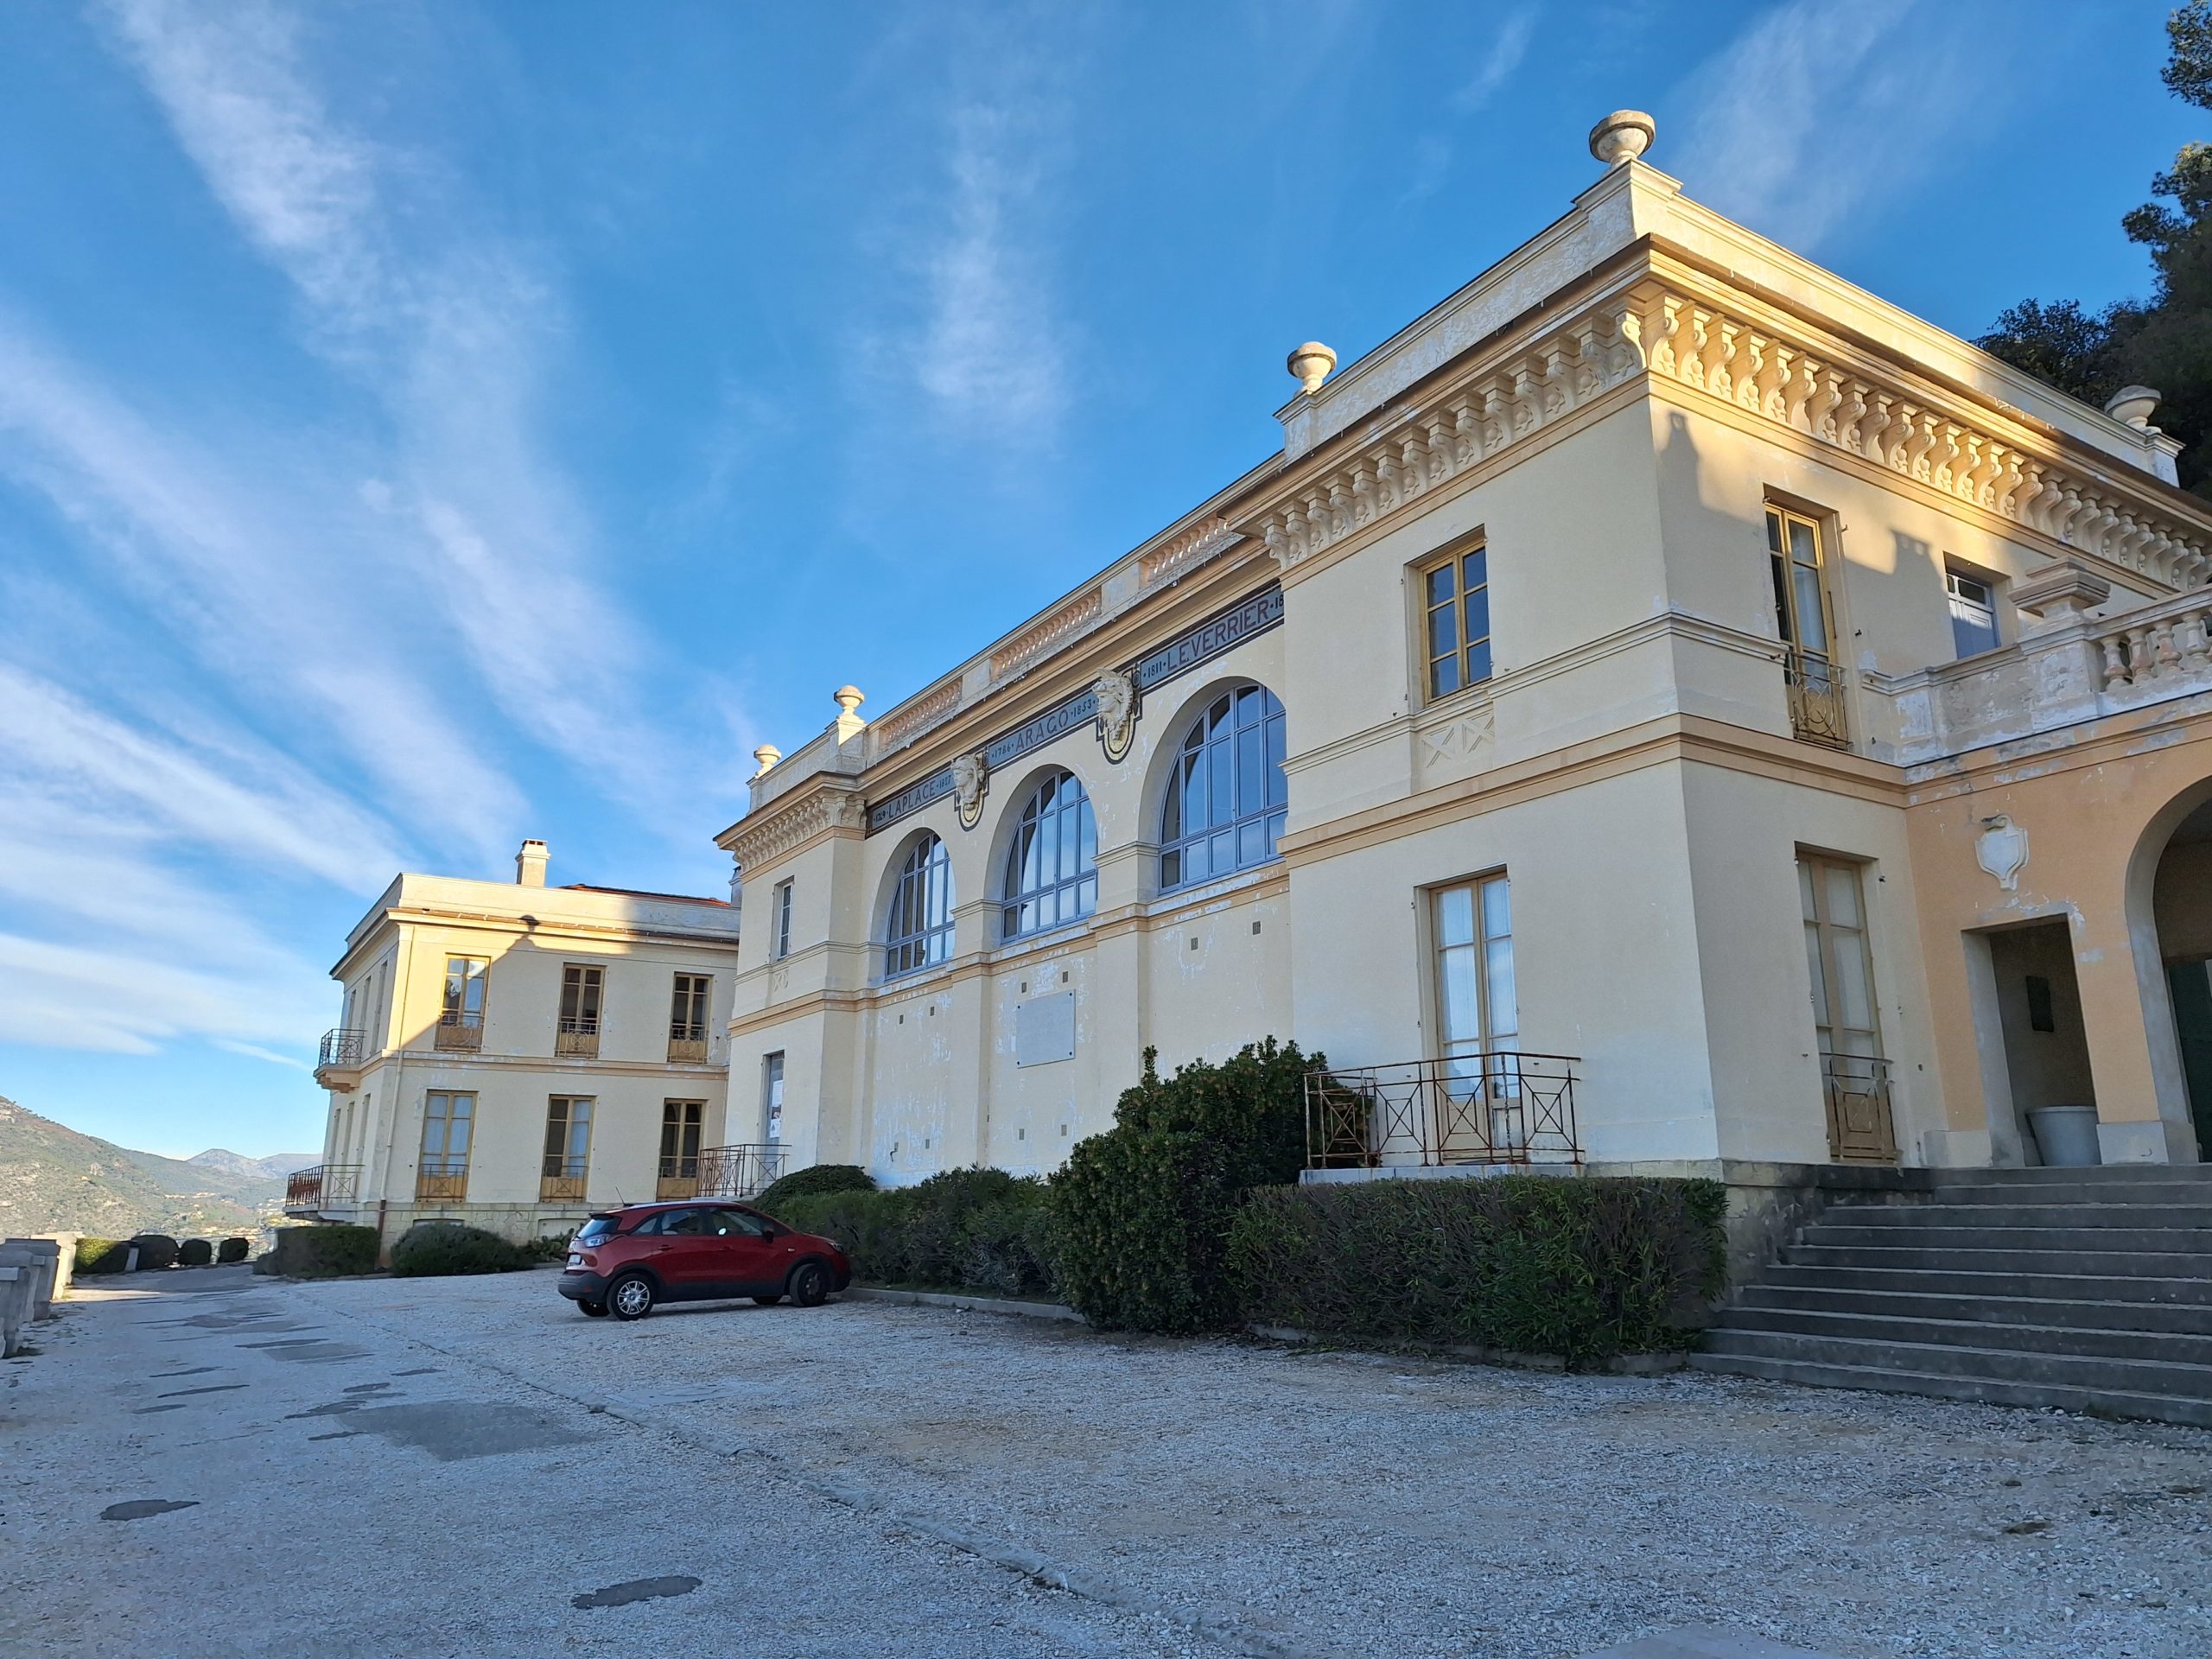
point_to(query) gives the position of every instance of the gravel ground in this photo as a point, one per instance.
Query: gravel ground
(871, 1478)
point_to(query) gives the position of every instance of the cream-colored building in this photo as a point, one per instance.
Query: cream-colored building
(516, 1056)
(1665, 708)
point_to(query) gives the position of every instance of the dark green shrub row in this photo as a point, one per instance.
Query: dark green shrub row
(232, 1249)
(1144, 1211)
(155, 1251)
(812, 1180)
(432, 1248)
(964, 1229)
(546, 1248)
(194, 1253)
(325, 1250)
(1583, 1269)
(100, 1255)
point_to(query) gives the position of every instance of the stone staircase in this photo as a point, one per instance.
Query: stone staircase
(2086, 1289)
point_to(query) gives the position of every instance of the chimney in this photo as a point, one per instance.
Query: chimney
(529, 865)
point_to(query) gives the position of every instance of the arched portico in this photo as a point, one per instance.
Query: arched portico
(2169, 917)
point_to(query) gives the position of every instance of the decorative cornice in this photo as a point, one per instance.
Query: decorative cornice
(911, 720)
(1042, 637)
(824, 810)
(1194, 546)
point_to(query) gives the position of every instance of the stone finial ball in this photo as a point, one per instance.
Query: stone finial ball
(1622, 137)
(847, 697)
(767, 756)
(2132, 404)
(1311, 363)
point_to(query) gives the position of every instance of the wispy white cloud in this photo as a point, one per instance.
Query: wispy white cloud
(255, 1052)
(1815, 106)
(1497, 66)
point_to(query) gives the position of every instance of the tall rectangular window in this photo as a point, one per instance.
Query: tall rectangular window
(1974, 612)
(687, 1018)
(681, 1121)
(581, 984)
(1477, 1004)
(772, 1094)
(442, 1171)
(568, 1148)
(460, 1015)
(1847, 1025)
(1455, 621)
(779, 921)
(1807, 628)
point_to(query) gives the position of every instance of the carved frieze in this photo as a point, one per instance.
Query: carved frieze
(829, 809)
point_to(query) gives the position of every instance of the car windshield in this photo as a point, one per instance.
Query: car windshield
(597, 1231)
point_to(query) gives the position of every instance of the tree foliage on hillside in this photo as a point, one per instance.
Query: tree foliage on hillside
(2165, 341)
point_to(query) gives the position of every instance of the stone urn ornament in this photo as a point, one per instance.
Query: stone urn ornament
(1622, 137)
(1311, 363)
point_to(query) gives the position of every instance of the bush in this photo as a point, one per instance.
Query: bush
(963, 1229)
(324, 1250)
(233, 1250)
(814, 1180)
(1583, 1269)
(433, 1248)
(100, 1255)
(547, 1248)
(1144, 1211)
(155, 1251)
(194, 1253)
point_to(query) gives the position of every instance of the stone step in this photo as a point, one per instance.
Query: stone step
(2093, 1373)
(2081, 1342)
(2042, 1192)
(2186, 1320)
(2177, 1290)
(2101, 1402)
(2095, 1175)
(2138, 1241)
(2100, 1213)
(2116, 1264)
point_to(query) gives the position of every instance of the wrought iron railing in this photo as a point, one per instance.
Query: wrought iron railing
(342, 1048)
(442, 1180)
(738, 1172)
(562, 1178)
(1861, 1129)
(1504, 1107)
(460, 1028)
(1816, 699)
(324, 1184)
(678, 1178)
(578, 1037)
(687, 1049)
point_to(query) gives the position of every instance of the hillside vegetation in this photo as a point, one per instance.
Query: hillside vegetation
(53, 1179)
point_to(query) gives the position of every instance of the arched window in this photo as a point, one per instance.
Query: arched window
(919, 932)
(1052, 868)
(1225, 798)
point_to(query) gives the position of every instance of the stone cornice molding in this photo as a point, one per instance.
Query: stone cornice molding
(1685, 331)
(829, 809)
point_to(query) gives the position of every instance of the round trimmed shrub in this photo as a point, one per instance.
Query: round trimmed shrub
(233, 1250)
(100, 1255)
(435, 1248)
(324, 1250)
(194, 1253)
(155, 1251)
(813, 1181)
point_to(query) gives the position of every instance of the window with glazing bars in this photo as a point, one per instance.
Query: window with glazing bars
(1803, 620)
(779, 922)
(580, 991)
(680, 1122)
(1974, 612)
(687, 1014)
(1052, 867)
(1226, 796)
(919, 932)
(1455, 600)
(461, 1014)
(567, 1137)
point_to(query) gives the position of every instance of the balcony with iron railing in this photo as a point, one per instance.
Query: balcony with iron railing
(1475, 1111)
(561, 1181)
(678, 1178)
(343, 1050)
(1855, 1088)
(577, 1037)
(460, 1028)
(687, 1045)
(1815, 688)
(441, 1179)
(310, 1191)
(738, 1172)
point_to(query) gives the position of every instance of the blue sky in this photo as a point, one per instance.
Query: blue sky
(426, 425)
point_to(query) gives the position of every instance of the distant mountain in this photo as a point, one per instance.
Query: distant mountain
(274, 1168)
(53, 1179)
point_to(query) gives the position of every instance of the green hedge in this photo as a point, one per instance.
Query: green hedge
(814, 1180)
(194, 1253)
(155, 1251)
(435, 1248)
(963, 1229)
(1583, 1268)
(325, 1250)
(1144, 1209)
(232, 1249)
(100, 1255)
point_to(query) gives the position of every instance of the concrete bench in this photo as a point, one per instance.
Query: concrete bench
(44, 1255)
(15, 1286)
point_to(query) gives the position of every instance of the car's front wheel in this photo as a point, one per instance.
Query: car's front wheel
(594, 1310)
(810, 1284)
(630, 1297)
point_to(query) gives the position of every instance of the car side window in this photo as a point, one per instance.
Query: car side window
(736, 1224)
(648, 1227)
(690, 1223)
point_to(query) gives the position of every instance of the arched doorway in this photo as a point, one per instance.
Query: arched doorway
(2170, 909)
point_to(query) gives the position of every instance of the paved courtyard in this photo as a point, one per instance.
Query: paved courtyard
(468, 1467)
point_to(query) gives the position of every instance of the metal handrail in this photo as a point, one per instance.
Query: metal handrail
(1505, 1106)
(1855, 1088)
(738, 1172)
(343, 1046)
(321, 1184)
(460, 1028)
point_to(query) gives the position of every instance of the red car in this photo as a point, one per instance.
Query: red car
(627, 1262)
